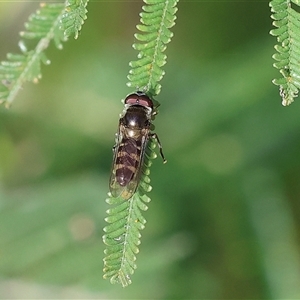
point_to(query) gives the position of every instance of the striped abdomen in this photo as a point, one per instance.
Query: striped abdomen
(127, 161)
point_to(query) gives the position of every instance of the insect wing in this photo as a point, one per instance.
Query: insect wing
(127, 165)
(113, 184)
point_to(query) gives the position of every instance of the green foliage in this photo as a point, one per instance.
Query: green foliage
(74, 17)
(287, 21)
(42, 26)
(53, 21)
(157, 18)
(224, 223)
(122, 235)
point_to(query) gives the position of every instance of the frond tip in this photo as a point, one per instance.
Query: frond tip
(287, 21)
(74, 17)
(157, 18)
(122, 236)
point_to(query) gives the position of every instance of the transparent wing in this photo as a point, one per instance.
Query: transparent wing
(127, 165)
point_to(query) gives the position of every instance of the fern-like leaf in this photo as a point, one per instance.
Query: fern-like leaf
(157, 18)
(287, 21)
(53, 21)
(122, 235)
(42, 27)
(74, 17)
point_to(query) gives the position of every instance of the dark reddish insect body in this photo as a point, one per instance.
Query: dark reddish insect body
(131, 142)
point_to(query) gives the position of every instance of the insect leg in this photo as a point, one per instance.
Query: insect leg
(155, 136)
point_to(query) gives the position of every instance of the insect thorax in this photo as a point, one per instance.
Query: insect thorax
(136, 118)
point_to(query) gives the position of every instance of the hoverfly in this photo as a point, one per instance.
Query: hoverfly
(131, 142)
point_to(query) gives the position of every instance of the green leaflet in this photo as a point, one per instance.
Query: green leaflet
(287, 23)
(122, 234)
(42, 26)
(157, 18)
(74, 17)
(51, 22)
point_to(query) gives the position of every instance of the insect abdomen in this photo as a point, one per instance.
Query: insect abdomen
(127, 161)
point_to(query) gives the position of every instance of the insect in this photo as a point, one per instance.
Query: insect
(131, 142)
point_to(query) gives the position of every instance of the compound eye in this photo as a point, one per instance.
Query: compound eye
(144, 100)
(139, 99)
(131, 99)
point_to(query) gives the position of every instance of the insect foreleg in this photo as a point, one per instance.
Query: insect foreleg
(155, 136)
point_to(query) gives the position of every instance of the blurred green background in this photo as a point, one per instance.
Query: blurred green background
(224, 221)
